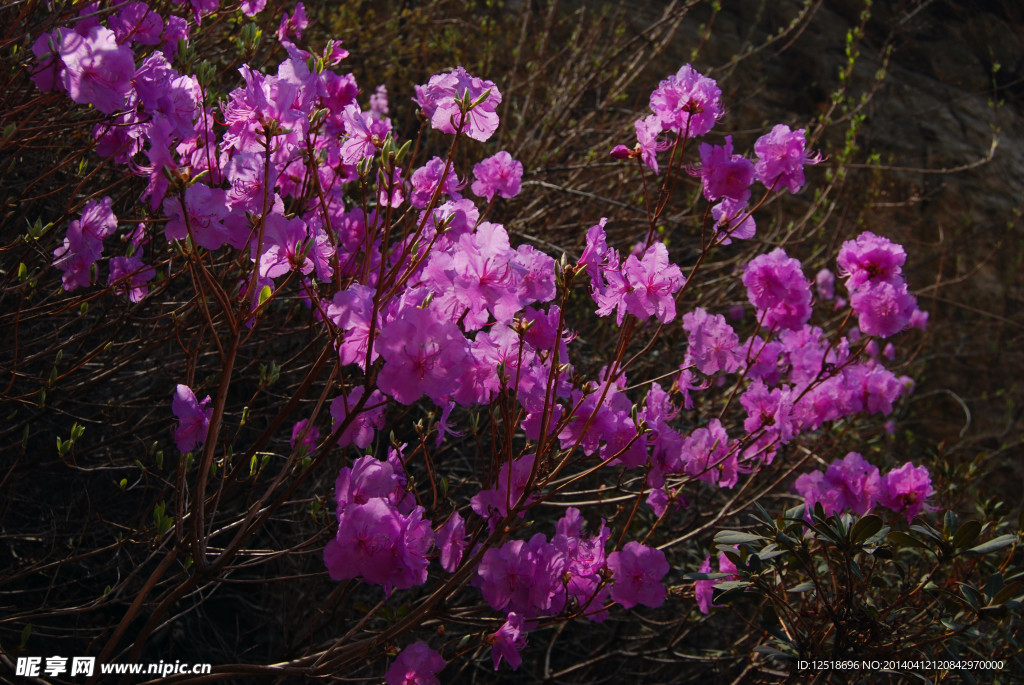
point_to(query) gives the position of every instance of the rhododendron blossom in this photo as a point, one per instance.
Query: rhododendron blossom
(193, 418)
(638, 571)
(417, 664)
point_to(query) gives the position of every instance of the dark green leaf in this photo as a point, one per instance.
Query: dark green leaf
(865, 528)
(993, 545)
(906, 539)
(966, 534)
(972, 596)
(735, 537)
(1008, 591)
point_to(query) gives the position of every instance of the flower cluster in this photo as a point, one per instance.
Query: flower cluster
(382, 536)
(426, 302)
(853, 484)
(873, 268)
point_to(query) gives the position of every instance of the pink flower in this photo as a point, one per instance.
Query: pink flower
(872, 258)
(294, 24)
(882, 308)
(653, 283)
(781, 158)
(311, 435)
(905, 490)
(451, 541)
(523, 576)
(445, 96)
(724, 174)
(130, 272)
(498, 174)
(777, 287)
(687, 102)
(370, 419)
(713, 344)
(647, 132)
(426, 179)
(638, 572)
(850, 483)
(137, 22)
(509, 640)
(98, 71)
(379, 102)
(418, 664)
(193, 418)
(251, 8)
(732, 220)
(704, 590)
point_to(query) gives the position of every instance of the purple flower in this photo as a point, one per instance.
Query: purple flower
(422, 354)
(713, 344)
(850, 483)
(97, 71)
(251, 8)
(83, 244)
(204, 214)
(709, 455)
(137, 22)
(687, 102)
(704, 590)
(130, 272)
(825, 284)
(451, 541)
(365, 133)
(176, 29)
(293, 25)
(882, 308)
(427, 178)
(498, 174)
(781, 158)
(417, 664)
(193, 418)
(370, 419)
(379, 102)
(638, 572)
(905, 490)
(647, 132)
(494, 503)
(523, 576)
(508, 641)
(870, 258)
(445, 96)
(724, 174)
(732, 220)
(311, 435)
(379, 544)
(653, 283)
(777, 287)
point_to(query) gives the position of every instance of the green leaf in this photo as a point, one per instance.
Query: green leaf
(802, 587)
(906, 539)
(705, 576)
(966, 534)
(993, 585)
(972, 596)
(866, 528)
(26, 632)
(265, 293)
(735, 537)
(993, 545)
(1009, 591)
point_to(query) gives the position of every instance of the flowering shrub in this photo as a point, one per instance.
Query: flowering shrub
(436, 334)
